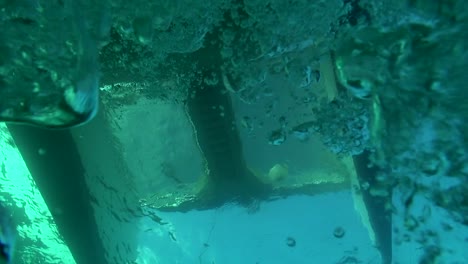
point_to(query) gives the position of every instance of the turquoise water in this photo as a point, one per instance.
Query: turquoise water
(228, 131)
(232, 235)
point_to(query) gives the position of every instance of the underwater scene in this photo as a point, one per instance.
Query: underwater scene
(233, 132)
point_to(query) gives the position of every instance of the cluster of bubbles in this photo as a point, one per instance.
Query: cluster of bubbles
(259, 39)
(343, 125)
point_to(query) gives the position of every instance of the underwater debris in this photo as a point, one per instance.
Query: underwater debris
(278, 172)
(290, 242)
(348, 260)
(339, 232)
(301, 135)
(431, 253)
(311, 76)
(171, 234)
(247, 123)
(302, 131)
(277, 137)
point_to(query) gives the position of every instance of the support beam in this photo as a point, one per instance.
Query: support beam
(54, 163)
(380, 217)
(209, 108)
(213, 120)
